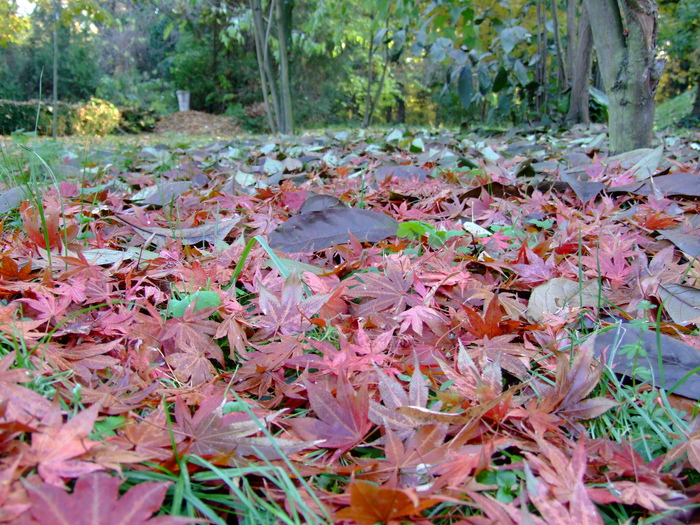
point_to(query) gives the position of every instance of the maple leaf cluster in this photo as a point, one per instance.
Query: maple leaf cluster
(445, 367)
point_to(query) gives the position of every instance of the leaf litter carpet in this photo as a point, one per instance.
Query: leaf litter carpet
(418, 326)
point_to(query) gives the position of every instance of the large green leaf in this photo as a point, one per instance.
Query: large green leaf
(465, 86)
(500, 80)
(482, 70)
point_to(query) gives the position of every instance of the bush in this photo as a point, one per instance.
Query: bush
(33, 116)
(97, 117)
(137, 120)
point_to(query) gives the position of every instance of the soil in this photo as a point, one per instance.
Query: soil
(197, 123)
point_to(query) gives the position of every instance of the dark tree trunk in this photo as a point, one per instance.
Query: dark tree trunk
(695, 112)
(580, 67)
(624, 34)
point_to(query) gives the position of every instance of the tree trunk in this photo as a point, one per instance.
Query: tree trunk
(581, 63)
(274, 93)
(695, 112)
(54, 122)
(624, 34)
(380, 86)
(258, 36)
(561, 71)
(541, 67)
(284, 34)
(571, 36)
(370, 56)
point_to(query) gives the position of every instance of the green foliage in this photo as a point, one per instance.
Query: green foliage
(97, 117)
(25, 67)
(12, 26)
(33, 116)
(134, 90)
(675, 110)
(137, 120)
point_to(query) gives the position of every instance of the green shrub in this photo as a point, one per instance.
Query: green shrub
(33, 116)
(137, 120)
(97, 117)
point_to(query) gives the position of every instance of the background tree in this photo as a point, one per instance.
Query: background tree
(580, 61)
(680, 34)
(625, 35)
(12, 26)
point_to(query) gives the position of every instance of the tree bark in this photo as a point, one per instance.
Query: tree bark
(561, 71)
(581, 63)
(624, 34)
(380, 86)
(370, 56)
(257, 35)
(284, 33)
(541, 67)
(695, 112)
(571, 36)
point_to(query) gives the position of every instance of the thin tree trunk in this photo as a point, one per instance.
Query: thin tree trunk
(54, 130)
(370, 56)
(541, 69)
(625, 35)
(380, 86)
(257, 36)
(562, 78)
(582, 62)
(270, 71)
(285, 88)
(695, 112)
(571, 36)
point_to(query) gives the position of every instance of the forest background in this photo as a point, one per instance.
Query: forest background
(338, 63)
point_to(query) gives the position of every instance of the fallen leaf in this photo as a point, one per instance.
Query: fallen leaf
(370, 504)
(681, 302)
(95, 501)
(317, 230)
(211, 232)
(678, 358)
(558, 294)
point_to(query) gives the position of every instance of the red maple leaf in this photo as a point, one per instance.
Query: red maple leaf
(491, 324)
(382, 294)
(95, 501)
(370, 504)
(289, 314)
(214, 434)
(56, 449)
(342, 420)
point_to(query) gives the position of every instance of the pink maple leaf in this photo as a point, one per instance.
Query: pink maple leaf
(95, 501)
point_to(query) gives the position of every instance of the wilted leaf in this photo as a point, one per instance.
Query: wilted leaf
(560, 293)
(342, 420)
(56, 448)
(688, 244)
(12, 198)
(681, 302)
(317, 230)
(161, 194)
(678, 358)
(291, 313)
(404, 172)
(320, 203)
(674, 184)
(584, 190)
(210, 232)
